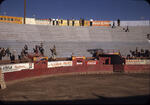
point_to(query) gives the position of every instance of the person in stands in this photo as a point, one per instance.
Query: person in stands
(127, 29)
(12, 58)
(118, 21)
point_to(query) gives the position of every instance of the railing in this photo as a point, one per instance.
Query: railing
(112, 51)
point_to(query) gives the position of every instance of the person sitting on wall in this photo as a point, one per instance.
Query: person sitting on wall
(127, 29)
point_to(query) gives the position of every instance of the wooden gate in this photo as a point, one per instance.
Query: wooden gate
(118, 68)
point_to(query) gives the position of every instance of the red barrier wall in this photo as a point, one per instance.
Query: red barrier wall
(93, 66)
(49, 71)
(131, 68)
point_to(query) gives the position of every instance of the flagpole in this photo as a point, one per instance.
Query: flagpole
(24, 11)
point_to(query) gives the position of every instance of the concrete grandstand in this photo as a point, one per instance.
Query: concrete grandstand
(69, 39)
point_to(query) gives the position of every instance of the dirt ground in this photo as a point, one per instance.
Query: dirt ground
(113, 88)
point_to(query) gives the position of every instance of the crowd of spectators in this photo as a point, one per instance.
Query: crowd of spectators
(24, 54)
(143, 53)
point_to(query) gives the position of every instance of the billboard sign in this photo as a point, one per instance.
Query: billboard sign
(16, 67)
(59, 64)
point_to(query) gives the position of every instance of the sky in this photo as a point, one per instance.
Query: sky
(76, 9)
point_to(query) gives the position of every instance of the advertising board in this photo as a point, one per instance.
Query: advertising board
(16, 67)
(91, 62)
(101, 23)
(137, 62)
(64, 23)
(76, 23)
(79, 63)
(40, 58)
(78, 57)
(86, 23)
(59, 64)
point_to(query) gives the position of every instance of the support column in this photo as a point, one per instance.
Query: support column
(2, 81)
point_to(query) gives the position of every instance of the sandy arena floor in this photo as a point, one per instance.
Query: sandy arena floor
(80, 89)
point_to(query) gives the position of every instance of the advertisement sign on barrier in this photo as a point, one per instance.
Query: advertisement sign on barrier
(91, 62)
(101, 23)
(40, 58)
(78, 57)
(59, 64)
(16, 67)
(79, 63)
(137, 62)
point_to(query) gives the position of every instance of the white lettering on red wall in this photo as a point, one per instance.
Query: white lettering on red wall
(16, 67)
(59, 64)
(92, 62)
(137, 62)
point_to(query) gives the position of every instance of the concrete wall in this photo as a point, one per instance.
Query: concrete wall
(30, 21)
(34, 21)
(122, 23)
(133, 23)
(42, 22)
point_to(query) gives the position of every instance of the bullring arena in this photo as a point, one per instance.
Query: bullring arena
(51, 61)
(79, 89)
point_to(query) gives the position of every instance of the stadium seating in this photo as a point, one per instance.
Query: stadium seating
(69, 39)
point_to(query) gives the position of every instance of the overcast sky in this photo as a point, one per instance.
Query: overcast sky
(87, 9)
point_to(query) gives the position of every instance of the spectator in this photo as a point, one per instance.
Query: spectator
(118, 21)
(53, 51)
(68, 22)
(0, 56)
(41, 50)
(19, 57)
(3, 52)
(113, 25)
(72, 22)
(82, 22)
(127, 29)
(12, 58)
(91, 22)
(36, 49)
(26, 47)
(7, 52)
